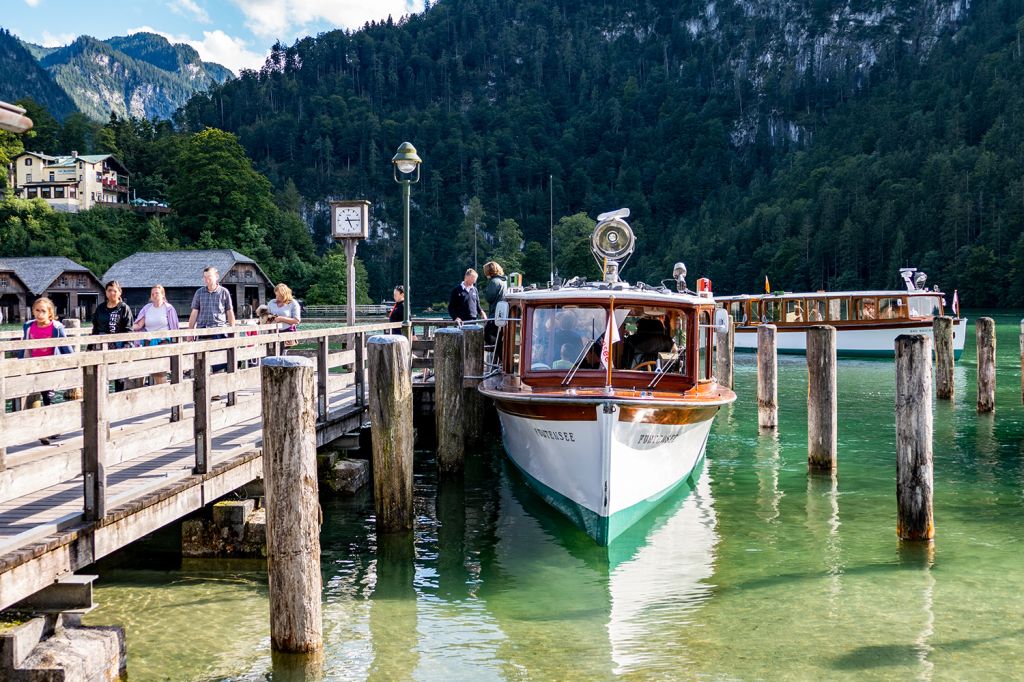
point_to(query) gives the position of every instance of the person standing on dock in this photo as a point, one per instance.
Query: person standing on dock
(44, 325)
(464, 302)
(113, 317)
(397, 313)
(212, 308)
(494, 293)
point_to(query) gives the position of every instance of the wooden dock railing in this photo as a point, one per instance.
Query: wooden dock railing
(105, 428)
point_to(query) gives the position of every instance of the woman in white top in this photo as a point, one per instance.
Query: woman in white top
(156, 316)
(284, 310)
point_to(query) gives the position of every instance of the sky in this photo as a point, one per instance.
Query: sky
(235, 33)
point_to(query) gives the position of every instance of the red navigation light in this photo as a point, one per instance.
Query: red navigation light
(703, 285)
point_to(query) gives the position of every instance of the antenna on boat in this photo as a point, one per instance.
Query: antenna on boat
(613, 243)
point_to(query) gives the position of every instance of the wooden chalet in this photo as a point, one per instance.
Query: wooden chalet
(74, 289)
(181, 274)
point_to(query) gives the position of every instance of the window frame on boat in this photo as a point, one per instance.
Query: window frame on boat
(622, 378)
(846, 310)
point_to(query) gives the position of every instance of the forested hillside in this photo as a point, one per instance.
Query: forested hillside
(22, 76)
(822, 144)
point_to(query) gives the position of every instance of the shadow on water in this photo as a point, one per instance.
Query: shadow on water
(889, 655)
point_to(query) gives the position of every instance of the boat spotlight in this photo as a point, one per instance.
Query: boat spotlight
(919, 280)
(612, 243)
(679, 275)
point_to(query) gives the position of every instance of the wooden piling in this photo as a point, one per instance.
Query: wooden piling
(985, 334)
(449, 410)
(473, 366)
(725, 347)
(293, 510)
(72, 323)
(914, 519)
(767, 378)
(942, 332)
(822, 425)
(391, 431)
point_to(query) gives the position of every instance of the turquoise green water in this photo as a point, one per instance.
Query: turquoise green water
(760, 572)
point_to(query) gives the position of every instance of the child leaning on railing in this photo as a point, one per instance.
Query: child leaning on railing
(45, 326)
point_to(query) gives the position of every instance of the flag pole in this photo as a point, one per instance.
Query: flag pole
(608, 340)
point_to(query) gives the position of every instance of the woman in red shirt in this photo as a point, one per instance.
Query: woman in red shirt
(45, 326)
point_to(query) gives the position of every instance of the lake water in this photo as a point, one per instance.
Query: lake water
(760, 572)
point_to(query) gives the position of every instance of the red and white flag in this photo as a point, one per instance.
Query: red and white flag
(611, 335)
(956, 303)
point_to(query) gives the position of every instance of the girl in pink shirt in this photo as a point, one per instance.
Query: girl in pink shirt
(45, 326)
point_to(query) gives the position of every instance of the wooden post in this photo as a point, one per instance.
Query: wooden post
(94, 440)
(176, 378)
(986, 341)
(323, 373)
(914, 519)
(293, 508)
(449, 410)
(822, 423)
(360, 368)
(391, 431)
(232, 367)
(3, 412)
(942, 332)
(767, 378)
(725, 347)
(202, 425)
(473, 366)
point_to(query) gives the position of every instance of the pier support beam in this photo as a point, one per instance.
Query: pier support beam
(391, 431)
(449, 410)
(767, 378)
(986, 340)
(822, 441)
(293, 508)
(725, 347)
(914, 519)
(942, 332)
(473, 366)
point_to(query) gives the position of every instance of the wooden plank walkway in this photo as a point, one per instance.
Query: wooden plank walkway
(148, 456)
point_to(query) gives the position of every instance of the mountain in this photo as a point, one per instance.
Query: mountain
(141, 75)
(22, 76)
(822, 143)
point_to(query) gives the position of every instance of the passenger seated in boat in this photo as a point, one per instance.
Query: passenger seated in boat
(568, 357)
(643, 346)
(566, 332)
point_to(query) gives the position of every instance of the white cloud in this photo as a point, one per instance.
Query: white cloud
(217, 46)
(32, 3)
(284, 18)
(189, 8)
(58, 40)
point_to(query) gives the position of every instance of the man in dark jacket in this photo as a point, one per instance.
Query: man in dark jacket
(464, 303)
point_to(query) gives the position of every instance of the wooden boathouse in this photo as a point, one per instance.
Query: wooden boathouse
(74, 289)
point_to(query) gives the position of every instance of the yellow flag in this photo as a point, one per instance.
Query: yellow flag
(767, 287)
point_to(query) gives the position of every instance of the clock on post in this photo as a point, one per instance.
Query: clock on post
(350, 219)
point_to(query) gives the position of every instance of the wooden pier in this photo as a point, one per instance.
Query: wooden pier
(133, 461)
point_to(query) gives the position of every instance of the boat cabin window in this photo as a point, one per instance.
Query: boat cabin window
(649, 337)
(772, 311)
(514, 330)
(753, 312)
(561, 334)
(736, 312)
(815, 310)
(704, 331)
(891, 309)
(838, 309)
(924, 306)
(865, 308)
(795, 311)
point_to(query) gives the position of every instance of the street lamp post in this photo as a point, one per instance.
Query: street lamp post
(406, 163)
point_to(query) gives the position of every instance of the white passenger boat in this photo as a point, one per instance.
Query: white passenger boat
(605, 391)
(866, 322)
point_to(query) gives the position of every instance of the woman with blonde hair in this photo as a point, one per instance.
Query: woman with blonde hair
(284, 310)
(156, 316)
(494, 293)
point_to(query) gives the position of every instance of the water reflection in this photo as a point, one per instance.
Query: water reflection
(393, 609)
(823, 523)
(630, 602)
(768, 463)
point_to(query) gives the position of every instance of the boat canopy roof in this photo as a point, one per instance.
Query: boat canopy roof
(886, 293)
(600, 292)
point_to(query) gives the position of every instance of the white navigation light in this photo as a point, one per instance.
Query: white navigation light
(612, 243)
(679, 275)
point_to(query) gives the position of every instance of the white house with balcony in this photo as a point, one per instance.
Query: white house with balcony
(71, 183)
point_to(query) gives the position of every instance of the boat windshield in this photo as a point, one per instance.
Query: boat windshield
(569, 337)
(924, 306)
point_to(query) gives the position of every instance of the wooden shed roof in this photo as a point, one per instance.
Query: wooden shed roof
(39, 272)
(174, 268)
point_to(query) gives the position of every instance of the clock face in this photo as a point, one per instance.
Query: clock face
(349, 221)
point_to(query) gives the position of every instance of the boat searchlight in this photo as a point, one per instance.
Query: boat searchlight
(612, 243)
(679, 275)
